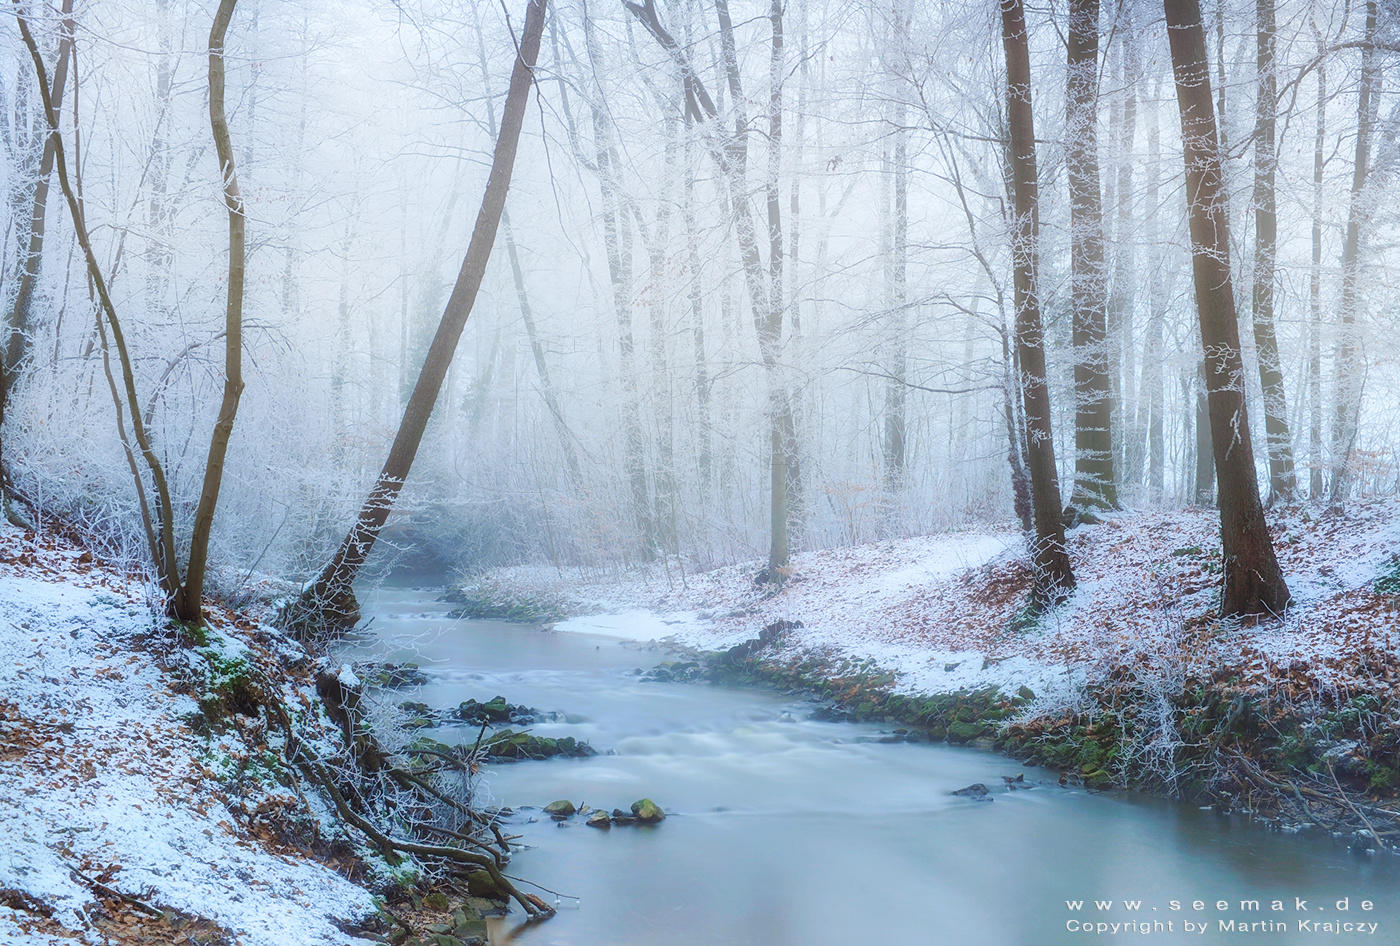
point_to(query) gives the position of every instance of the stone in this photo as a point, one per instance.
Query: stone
(560, 809)
(976, 791)
(481, 884)
(960, 732)
(647, 811)
(599, 819)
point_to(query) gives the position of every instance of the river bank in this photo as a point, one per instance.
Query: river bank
(1133, 682)
(169, 784)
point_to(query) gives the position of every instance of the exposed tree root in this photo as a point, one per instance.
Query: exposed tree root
(462, 851)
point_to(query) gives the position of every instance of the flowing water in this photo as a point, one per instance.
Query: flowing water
(784, 830)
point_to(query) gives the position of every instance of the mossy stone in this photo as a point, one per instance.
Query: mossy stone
(647, 811)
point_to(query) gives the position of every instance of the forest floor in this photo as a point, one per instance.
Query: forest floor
(125, 819)
(1133, 680)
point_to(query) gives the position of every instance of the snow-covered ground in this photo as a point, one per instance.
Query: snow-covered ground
(940, 611)
(104, 785)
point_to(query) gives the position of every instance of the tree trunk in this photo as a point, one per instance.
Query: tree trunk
(1122, 297)
(1095, 486)
(1205, 459)
(784, 432)
(1315, 459)
(330, 601)
(1054, 578)
(1015, 439)
(897, 298)
(1346, 407)
(189, 602)
(1282, 483)
(1154, 353)
(1254, 584)
(703, 426)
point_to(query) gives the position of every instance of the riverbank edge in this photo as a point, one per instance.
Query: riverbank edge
(1252, 757)
(1216, 742)
(208, 757)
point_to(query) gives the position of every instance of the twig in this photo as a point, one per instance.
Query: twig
(102, 888)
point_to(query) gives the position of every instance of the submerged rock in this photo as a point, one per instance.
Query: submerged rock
(675, 671)
(518, 746)
(830, 713)
(418, 715)
(387, 676)
(621, 817)
(976, 791)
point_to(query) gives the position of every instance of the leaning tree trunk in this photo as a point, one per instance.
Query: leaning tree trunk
(1282, 483)
(1346, 407)
(1054, 578)
(1095, 486)
(329, 602)
(159, 531)
(1254, 583)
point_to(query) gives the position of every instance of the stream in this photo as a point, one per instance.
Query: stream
(784, 830)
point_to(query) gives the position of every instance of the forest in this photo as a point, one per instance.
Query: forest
(1021, 376)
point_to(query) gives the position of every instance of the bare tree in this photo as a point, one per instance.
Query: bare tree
(1346, 405)
(1282, 482)
(1095, 486)
(1254, 583)
(329, 601)
(184, 594)
(1054, 578)
(1315, 465)
(188, 604)
(730, 155)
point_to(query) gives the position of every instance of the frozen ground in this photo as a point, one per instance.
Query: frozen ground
(940, 610)
(104, 787)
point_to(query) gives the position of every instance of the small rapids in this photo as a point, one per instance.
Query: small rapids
(783, 829)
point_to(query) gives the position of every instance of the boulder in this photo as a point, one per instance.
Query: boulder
(560, 809)
(647, 811)
(390, 676)
(599, 819)
(509, 744)
(481, 884)
(418, 715)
